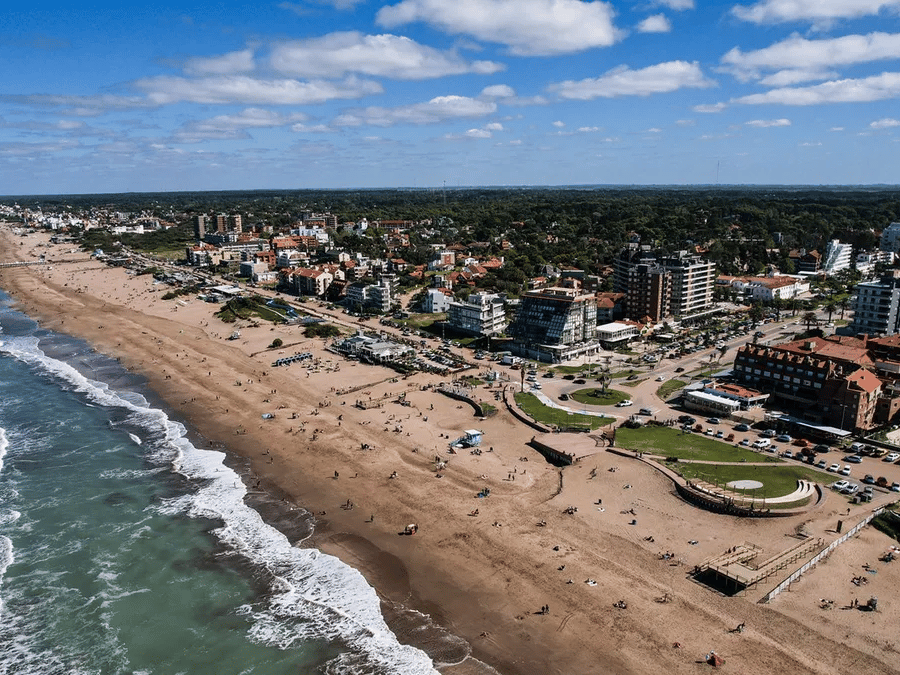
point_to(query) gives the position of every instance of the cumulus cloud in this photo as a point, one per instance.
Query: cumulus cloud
(506, 94)
(398, 57)
(816, 11)
(764, 124)
(885, 123)
(233, 126)
(226, 64)
(874, 88)
(302, 9)
(559, 124)
(623, 81)
(526, 27)
(436, 110)
(797, 59)
(658, 23)
(709, 108)
(162, 90)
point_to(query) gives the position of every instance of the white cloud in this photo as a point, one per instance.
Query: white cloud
(764, 124)
(527, 27)
(226, 64)
(685, 123)
(785, 78)
(430, 112)
(623, 81)
(654, 130)
(588, 130)
(506, 94)
(242, 89)
(836, 129)
(709, 108)
(494, 126)
(677, 5)
(809, 144)
(885, 123)
(498, 91)
(874, 88)
(816, 11)
(559, 124)
(478, 133)
(234, 126)
(797, 59)
(658, 23)
(303, 10)
(337, 54)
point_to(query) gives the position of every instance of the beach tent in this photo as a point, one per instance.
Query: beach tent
(715, 660)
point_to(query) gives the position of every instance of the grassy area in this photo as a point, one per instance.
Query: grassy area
(887, 523)
(471, 380)
(248, 308)
(571, 370)
(561, 418)
(627, 373)
(666, 389)
(631, 383)
(776, 480)
(422, 321)
(596, 396)
(672, 442)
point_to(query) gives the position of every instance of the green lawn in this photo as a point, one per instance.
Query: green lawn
(561, 418)
(594, 396)
(672, 442)
(777, 480)
(666, 389)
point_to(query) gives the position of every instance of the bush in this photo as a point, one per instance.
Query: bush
(276, 343)
(324, 330)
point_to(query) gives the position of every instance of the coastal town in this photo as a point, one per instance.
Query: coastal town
(639, 447)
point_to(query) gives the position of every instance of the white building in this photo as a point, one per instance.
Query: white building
(615, 334)
(767, 289)
(483, 314)
(890, 238)
(866, 262)
(436, 301)
(838, 257)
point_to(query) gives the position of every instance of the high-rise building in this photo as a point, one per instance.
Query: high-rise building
(199, 226)
(838, 257)
(890, 238)
(481, 314)
(659, 286)
(876, 307)
(555, 317)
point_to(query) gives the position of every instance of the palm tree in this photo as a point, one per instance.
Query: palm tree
(844, 305)
(810, 319)
(831, 308)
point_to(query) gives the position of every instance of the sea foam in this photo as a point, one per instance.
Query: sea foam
(314, 596)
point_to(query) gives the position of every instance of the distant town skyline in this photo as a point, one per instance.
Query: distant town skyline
(426, 93)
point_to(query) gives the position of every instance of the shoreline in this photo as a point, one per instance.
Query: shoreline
(481, 582)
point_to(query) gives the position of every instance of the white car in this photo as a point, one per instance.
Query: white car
(834, 468)
(624, 404)
(840, 485)
(535, 385)
(891, 457)
(661, 378)
(846, 470)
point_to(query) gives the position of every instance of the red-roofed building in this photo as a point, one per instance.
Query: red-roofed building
(826, 380)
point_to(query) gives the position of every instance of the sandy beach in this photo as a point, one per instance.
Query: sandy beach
(482, 577)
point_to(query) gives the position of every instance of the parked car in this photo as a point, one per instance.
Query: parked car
(821, 464)
(783, 438)
(710, 432)
(579, 381)
(846, 470)
(714, 420)
(853, 459)
(821, 447)
(535, 385)
(840, 485)
(745, 442)
(787, 454)
(720, 434)
(548, 374)
(834, 468)
(768, 433)
(742, 427)
(851, 489)
(869, 478)
(895, 486)
(891, 457)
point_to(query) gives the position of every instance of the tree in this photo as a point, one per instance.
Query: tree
(831, 308)
(810, 319)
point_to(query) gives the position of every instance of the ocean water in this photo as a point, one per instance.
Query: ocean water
(125, 548)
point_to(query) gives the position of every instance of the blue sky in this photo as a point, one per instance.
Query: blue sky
(419, 93)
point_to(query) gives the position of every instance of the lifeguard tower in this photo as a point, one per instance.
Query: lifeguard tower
(471, 438)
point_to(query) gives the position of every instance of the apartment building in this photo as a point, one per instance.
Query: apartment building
(555, 324)
(838, 257)
(482, 314)
(876, 307)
